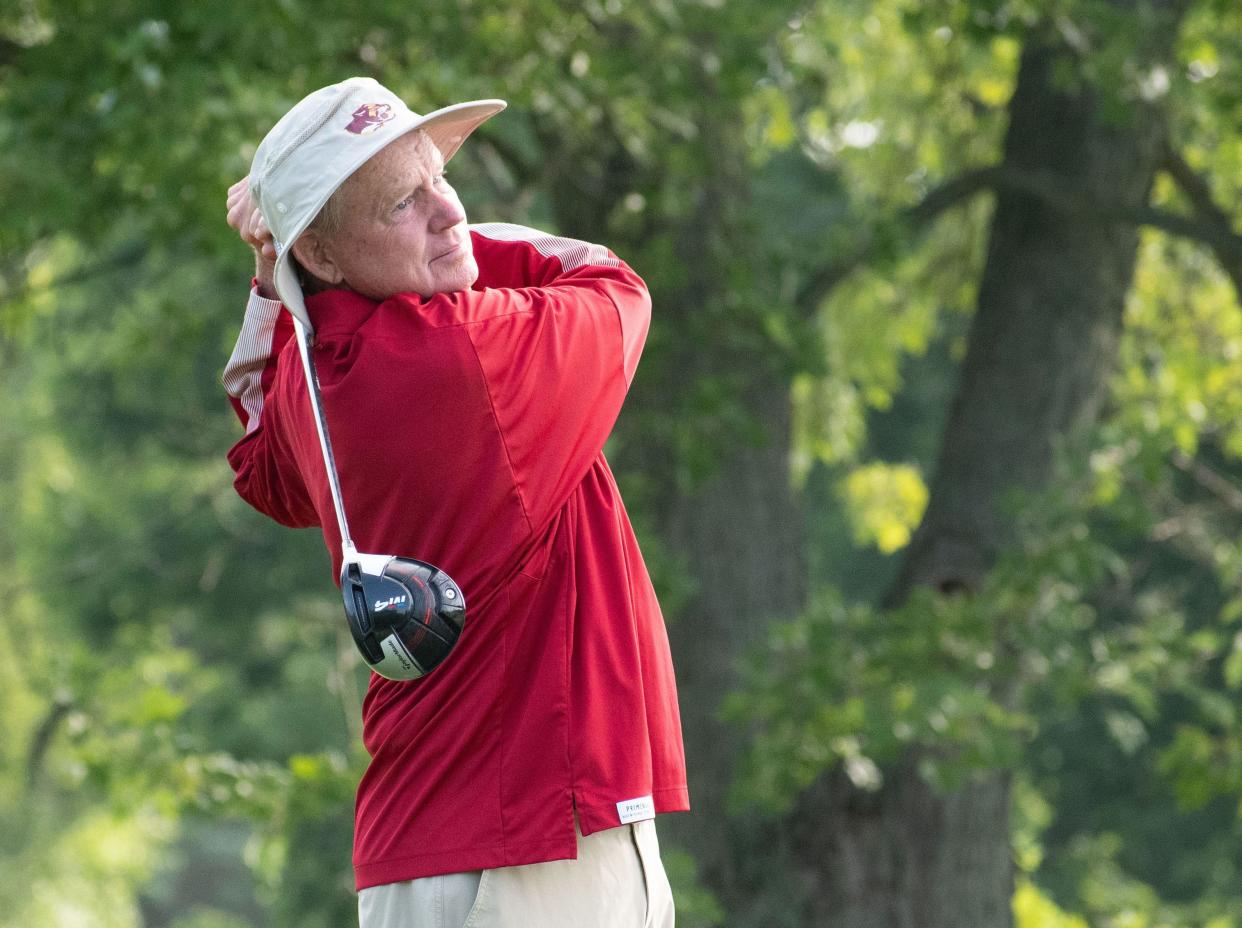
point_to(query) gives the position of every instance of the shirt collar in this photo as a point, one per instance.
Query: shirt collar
(339, 312)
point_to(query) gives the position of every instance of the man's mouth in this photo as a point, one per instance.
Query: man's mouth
(456, 247)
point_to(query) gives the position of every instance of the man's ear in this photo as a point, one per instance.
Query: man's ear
(315, 257)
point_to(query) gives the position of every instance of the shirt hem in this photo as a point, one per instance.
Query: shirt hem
(416, 866)
(488, 858)
(600, 815)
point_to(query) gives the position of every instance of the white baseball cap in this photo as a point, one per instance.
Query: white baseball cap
(321, 141)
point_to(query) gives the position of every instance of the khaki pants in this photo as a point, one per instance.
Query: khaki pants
(617, 881)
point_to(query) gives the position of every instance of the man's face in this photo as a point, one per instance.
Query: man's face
(403, 228)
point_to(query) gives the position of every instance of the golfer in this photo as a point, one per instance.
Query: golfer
(470, 376)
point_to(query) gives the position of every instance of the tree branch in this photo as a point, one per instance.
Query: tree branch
(1210, 225)
(9, 50)
(42, 739)
(1216, 484)
(126, 256)
(1225, 243)
(942, 198)
(1194, 186)
(523, 172)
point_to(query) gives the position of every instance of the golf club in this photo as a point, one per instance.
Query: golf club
(405, 615)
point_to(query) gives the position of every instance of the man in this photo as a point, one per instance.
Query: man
(470, 377)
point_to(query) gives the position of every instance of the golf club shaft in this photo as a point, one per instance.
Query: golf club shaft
(325, 443)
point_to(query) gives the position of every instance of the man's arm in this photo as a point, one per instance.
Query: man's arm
(266, 476)
(543, 259)
(558, 356)
(244, 216)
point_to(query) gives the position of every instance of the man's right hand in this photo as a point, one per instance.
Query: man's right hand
(245, 217)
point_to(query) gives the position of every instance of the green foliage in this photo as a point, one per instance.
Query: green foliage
(208, 918)
(1032, 909)
(696, 906)
(160, 678)
(1113, 898)
(885, 504)
(848, 684)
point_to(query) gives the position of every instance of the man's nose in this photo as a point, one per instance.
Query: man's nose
(448, 210)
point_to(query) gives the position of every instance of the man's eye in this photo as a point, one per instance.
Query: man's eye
(404, 203)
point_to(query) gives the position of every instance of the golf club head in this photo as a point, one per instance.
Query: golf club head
(405, 615)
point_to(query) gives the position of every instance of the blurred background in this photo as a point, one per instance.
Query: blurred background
(935, 451)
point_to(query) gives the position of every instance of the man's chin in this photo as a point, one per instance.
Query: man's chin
(453, 275)
(467, 272)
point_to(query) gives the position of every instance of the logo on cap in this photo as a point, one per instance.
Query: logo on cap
(369, 117)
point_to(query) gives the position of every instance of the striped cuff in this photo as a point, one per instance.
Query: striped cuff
(243, 375)
(260, 304)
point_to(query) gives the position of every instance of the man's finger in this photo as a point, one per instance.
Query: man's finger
(238, 203)
(236, 193)
(247, 219)
(239, 190)
(256, 228)
(235, 216)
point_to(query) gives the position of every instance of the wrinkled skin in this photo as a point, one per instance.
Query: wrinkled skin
(402, 229)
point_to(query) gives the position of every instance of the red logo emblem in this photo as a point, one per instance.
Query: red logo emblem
(369, 117)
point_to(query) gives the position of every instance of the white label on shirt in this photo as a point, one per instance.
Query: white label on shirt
(636, 810)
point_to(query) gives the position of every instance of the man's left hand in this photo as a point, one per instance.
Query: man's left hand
(245, 217)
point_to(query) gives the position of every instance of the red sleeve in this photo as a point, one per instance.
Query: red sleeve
(558, 357)
(266, 476)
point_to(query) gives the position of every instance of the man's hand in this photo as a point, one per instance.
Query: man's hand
(245, 217)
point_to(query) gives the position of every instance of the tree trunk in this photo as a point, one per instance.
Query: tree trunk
(1042, 343)
(741, 535)
(739, 532)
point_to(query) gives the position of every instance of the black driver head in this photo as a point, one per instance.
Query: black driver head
(405, 615)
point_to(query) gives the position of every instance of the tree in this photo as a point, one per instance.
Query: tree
(1042, 344)
(1082, 150)
(829, 200)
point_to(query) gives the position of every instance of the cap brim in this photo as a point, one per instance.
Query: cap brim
(452, 125)
(289, 289)
(447, 127)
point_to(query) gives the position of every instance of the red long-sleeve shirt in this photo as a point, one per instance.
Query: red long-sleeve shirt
(468, 431)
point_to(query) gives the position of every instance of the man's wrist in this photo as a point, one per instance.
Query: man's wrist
(265, 278)
(260, 292)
